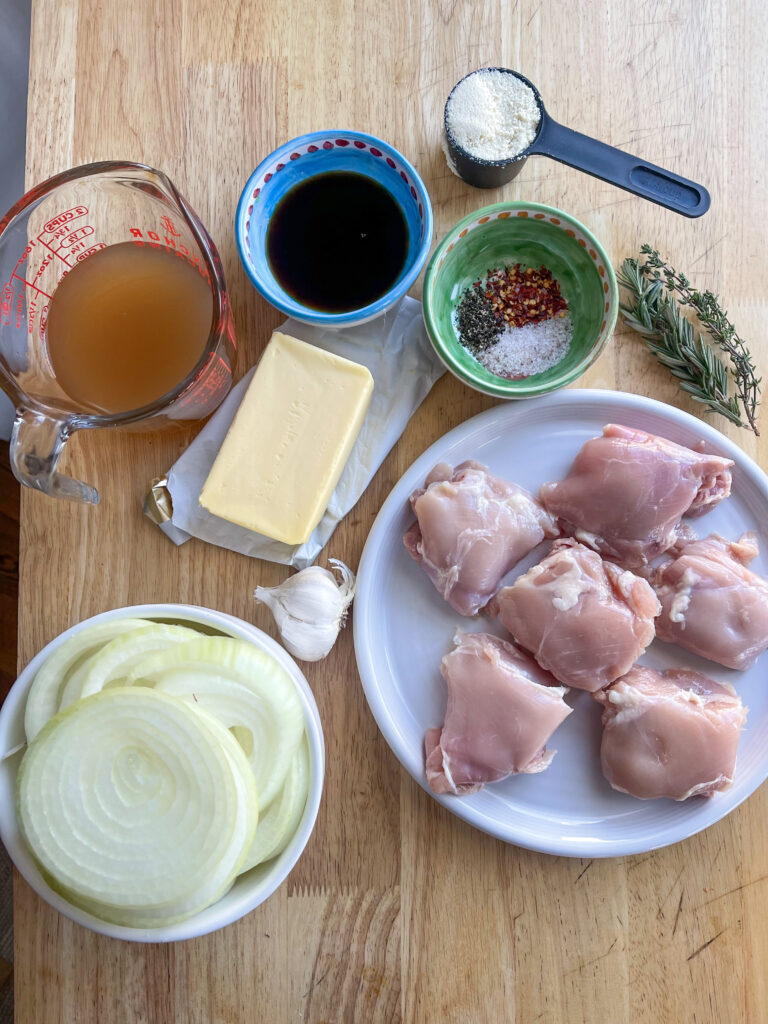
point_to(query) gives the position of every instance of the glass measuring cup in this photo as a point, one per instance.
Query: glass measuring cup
(51, 230)
(582, 152)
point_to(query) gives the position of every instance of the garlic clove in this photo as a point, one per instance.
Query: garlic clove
(308, 641)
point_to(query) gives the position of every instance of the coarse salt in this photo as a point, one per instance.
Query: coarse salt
(492, 115)
(524, 351)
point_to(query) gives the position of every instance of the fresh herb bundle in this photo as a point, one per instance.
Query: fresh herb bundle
(656, 293)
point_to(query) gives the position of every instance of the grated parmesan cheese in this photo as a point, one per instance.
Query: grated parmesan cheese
(492, 115)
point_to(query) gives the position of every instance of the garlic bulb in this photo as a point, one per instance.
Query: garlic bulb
(310, 608)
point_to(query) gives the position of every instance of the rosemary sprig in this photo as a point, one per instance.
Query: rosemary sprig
(714, 319)
(655, 294)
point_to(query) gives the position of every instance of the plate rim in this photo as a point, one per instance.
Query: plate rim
(506, 412)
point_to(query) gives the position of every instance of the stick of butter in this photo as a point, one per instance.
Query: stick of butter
(290, 440)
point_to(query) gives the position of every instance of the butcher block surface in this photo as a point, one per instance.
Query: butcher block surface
(398, 910)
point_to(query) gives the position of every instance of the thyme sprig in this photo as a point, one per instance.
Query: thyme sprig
(656, 293)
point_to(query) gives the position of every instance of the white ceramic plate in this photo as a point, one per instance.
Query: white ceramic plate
(249, 889)
(403, 628)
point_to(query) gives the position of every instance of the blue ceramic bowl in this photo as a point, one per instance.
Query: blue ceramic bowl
(318, 153)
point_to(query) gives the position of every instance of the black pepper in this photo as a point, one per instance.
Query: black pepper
(479, 325)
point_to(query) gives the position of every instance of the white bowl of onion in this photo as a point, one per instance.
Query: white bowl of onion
(151, 719)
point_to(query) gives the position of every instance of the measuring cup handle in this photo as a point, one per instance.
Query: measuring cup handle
(37, 442)
(622, 169)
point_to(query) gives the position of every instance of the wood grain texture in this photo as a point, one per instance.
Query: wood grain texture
(9, 570)
(398, 911)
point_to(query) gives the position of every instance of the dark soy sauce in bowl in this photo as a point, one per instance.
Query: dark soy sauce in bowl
(337, 241)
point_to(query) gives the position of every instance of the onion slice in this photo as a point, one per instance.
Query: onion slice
(45, 692)
(281, 819)
(111, 665)
(246, 690)
(137, 805)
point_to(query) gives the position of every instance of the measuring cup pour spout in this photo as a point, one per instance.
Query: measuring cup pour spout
(37, 442)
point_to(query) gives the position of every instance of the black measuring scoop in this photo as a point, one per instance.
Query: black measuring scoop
(585, 154)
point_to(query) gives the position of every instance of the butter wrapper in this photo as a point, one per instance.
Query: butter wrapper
(158, 506)
(396, 350)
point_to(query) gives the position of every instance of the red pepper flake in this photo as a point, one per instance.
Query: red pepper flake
(524, 295)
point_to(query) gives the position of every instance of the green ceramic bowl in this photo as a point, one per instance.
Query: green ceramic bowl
(531, 234)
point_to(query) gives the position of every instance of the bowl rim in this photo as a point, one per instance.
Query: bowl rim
(215, 916)
(516, 389)
(355, 316)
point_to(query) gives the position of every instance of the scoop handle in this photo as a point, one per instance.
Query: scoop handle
(622, 169)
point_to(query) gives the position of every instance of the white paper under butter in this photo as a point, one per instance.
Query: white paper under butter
(396, 350)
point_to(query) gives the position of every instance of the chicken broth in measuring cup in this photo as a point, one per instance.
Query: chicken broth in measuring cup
(127, 325)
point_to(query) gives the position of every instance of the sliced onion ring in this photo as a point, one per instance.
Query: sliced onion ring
(134, 803)
(45, 692)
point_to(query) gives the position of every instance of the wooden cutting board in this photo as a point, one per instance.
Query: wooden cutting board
(397, 910)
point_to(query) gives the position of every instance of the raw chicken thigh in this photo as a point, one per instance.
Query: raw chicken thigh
(502, 709)
(585, 620)
(711, 603)
(627, 490)
(471, 528)
(669, 734)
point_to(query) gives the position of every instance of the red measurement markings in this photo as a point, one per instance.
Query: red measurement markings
(16, 310)
(19, 277)
(32, 311)
(64, 218)
(217, 379)
(59, 238)
(47, 261)
(89, 252)
(22, 259)
(30, 284)
(231, 329)
(6, 304)
(73, 237)
(206, 391)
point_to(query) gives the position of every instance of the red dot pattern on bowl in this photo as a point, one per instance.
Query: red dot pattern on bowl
(328, 144)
